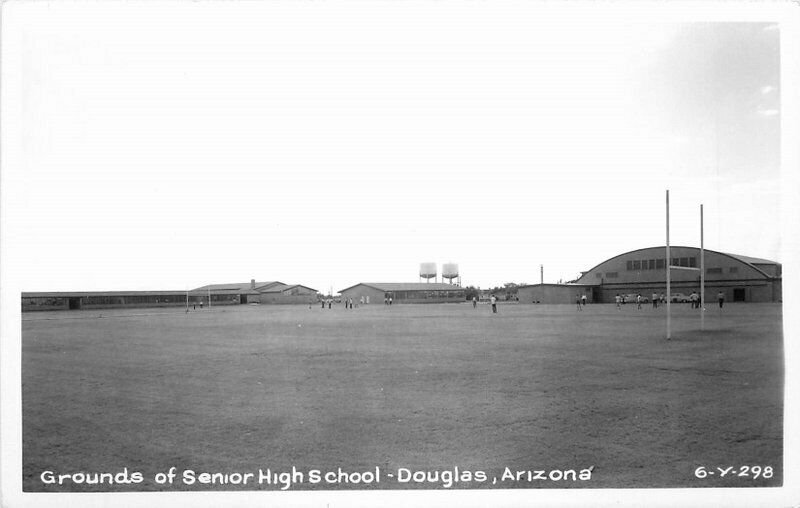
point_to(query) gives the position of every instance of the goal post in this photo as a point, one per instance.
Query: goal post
(670, 267)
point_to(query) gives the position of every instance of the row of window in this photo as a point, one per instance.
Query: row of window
(415, 295)
(659, 264)
(46, 302)
(609, 275)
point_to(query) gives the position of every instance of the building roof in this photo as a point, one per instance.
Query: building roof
(406, 286)
(751, 260)
(282, 288)
(240, 286)
(744, 259)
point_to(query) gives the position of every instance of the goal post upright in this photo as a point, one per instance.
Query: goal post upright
(667, 267)
(702, 275)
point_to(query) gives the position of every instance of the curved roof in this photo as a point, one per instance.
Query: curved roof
(742, 259)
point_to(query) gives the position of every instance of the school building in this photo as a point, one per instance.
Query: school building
(404, 292)
(273, 292)
(643, 271)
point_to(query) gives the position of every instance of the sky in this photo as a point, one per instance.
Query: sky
(169, 145)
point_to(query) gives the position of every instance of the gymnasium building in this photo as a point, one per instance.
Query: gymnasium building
(404, 292)
(643, 271)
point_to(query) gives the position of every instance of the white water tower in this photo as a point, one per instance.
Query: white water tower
(450, 272)
(427, 271)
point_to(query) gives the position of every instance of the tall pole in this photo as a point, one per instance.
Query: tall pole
(541, 273)
(209, 298)
(702, 275)
(668, 263)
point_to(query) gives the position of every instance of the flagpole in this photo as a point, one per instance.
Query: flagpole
(668, 263)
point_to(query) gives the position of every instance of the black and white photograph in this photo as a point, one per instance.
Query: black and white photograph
(428, 253)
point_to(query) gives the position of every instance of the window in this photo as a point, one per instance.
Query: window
(598, 275)
(713, 270)
(684, 262)
(612, 275)
(629, 265)
(693, 262)
(637, 265)
(651, 264)
(660, 264)
(675, 262)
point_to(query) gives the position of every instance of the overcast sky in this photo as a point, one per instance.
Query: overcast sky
(172, 145)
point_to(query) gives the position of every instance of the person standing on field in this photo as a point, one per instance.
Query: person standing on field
(721, 299)
(639, 301)
(474, 302)
(655, 300)
(493, 300)
(583, 300)
(618, 301)
(578, 301)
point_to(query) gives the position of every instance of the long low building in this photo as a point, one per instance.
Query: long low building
(643, 271)
(404, 292)
(273, 292)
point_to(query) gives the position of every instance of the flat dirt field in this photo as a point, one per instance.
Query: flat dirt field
(410, 390)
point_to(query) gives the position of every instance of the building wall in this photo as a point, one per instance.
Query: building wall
(356, 292)
(47, 303)
(117, 301)
(753, 292)
(553, 293)
(285, 299)
(410, 296)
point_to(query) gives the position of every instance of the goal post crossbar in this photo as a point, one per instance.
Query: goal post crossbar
(672, 267)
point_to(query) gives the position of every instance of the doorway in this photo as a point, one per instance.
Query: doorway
(738, 295)
(74, 304)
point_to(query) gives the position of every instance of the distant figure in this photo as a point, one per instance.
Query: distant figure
(583, 299)
(390, 300)
(350, 301)
(578, 301)
(474, 302)
(493, 301)
(721, 299)
(194, 305)
(655, 300)
(330, 302)
(639, 301)
(201, 304)
(386, 300)
(323, 303)
(618, 301)
(362, 300)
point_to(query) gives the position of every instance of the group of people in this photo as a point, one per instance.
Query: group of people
(387, 300)
(580, 301)
(694, 300)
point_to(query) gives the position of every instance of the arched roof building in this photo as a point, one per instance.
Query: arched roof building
(643, 271)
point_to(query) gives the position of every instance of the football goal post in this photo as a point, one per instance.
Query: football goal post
(670, 266)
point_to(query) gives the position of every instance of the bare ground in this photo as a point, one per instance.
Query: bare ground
(422, 387)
